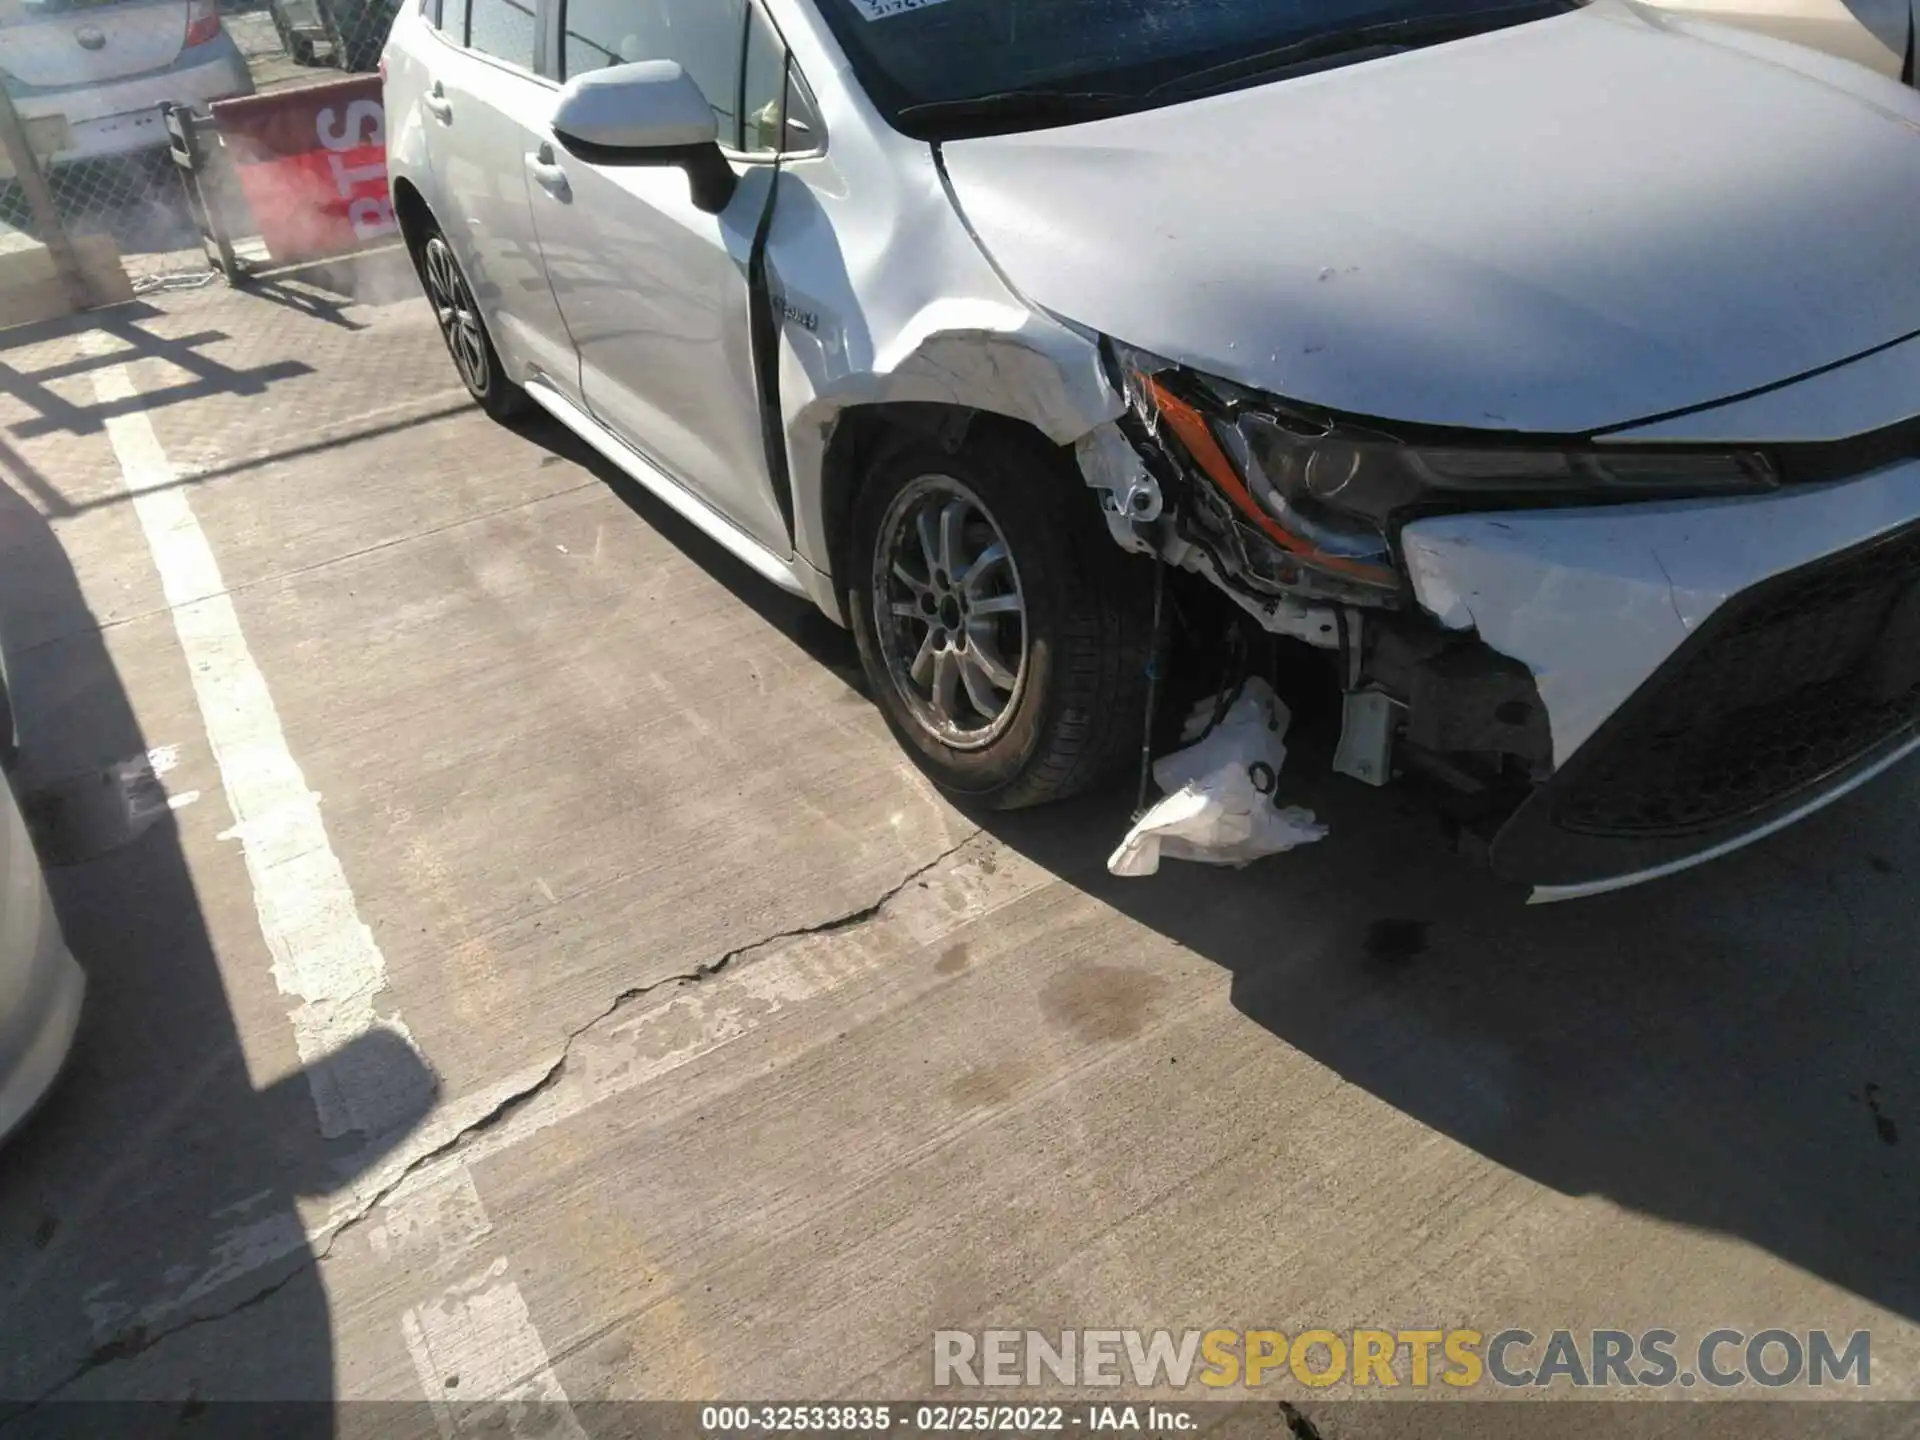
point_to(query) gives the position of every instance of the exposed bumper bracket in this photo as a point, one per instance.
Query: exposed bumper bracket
(1365, 751)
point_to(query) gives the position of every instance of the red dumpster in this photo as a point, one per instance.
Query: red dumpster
(312, 164)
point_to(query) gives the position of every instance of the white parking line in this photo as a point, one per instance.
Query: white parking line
(477, 1339)
(324, 956)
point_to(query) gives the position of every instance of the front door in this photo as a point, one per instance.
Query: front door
(653, 290)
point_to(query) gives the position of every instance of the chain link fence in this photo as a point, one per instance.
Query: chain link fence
(88, 179)
(345, 35)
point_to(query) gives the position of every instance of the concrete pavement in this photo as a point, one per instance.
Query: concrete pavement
(696, 1048)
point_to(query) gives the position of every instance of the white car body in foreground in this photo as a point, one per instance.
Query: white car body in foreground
(41, 986)
(1602, 329)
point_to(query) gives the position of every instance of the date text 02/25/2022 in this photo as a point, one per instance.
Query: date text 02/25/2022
(879, 1419)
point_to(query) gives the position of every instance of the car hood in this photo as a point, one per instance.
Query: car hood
(1559, 227)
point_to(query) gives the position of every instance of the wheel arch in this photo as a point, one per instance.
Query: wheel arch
(414, 215)
(864, 435)
(1046, 392)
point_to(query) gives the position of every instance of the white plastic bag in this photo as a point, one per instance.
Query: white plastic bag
(1220, 807)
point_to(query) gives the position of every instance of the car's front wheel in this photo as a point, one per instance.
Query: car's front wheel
(1003, 633)
(464, 329)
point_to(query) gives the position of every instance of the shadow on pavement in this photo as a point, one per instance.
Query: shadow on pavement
(127, 340)
(799, 620)
(153, 1195)
(1731, 1048)
(326, 289)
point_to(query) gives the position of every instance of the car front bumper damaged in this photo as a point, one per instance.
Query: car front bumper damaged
(1616, 692)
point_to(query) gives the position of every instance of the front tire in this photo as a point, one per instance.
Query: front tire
(465, 330)
(1004, 635)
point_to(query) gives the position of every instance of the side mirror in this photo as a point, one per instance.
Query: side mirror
(649, 112)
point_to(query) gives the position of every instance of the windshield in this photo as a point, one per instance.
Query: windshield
(927, 53)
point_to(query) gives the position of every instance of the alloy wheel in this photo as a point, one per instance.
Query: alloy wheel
(949, 612)
(458, 317)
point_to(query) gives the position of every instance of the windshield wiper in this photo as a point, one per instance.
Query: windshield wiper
(1409, 31)
(1017, 105)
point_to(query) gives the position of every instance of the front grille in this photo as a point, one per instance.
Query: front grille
(1786, 684)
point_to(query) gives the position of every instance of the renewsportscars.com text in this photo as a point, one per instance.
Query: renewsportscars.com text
(1462, 1358)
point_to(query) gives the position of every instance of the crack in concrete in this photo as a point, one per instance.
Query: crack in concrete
(1298, 1425)
(138, 1340)
(549, 1077)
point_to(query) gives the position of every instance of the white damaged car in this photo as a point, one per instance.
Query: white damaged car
(1544, 376)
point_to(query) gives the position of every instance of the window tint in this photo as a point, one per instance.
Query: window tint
(912, 52)
(453, 20)
(764, 93)
(504, 29)
(705, 36)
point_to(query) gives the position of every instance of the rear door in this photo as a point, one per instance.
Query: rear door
(485, 104)
(654, 291)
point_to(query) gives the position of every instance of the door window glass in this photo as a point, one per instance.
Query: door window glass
(805, 129)
(505, 29)
(705, 36)
(453, 20)
(763, 96)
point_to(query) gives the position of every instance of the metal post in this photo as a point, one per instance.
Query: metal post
(46, 218)
(1153, 687)
(189, 150)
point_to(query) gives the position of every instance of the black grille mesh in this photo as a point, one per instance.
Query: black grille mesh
(1786, 685)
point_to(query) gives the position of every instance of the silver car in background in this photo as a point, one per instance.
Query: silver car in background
(88, 77)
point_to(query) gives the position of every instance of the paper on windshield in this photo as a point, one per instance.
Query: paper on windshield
(881, 9)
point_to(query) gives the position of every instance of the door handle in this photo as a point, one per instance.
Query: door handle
(436, 101)
(550, 177)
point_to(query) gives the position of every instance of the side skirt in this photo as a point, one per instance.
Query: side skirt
(782, 571)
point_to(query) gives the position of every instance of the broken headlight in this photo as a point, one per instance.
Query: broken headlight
(1328, 493)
